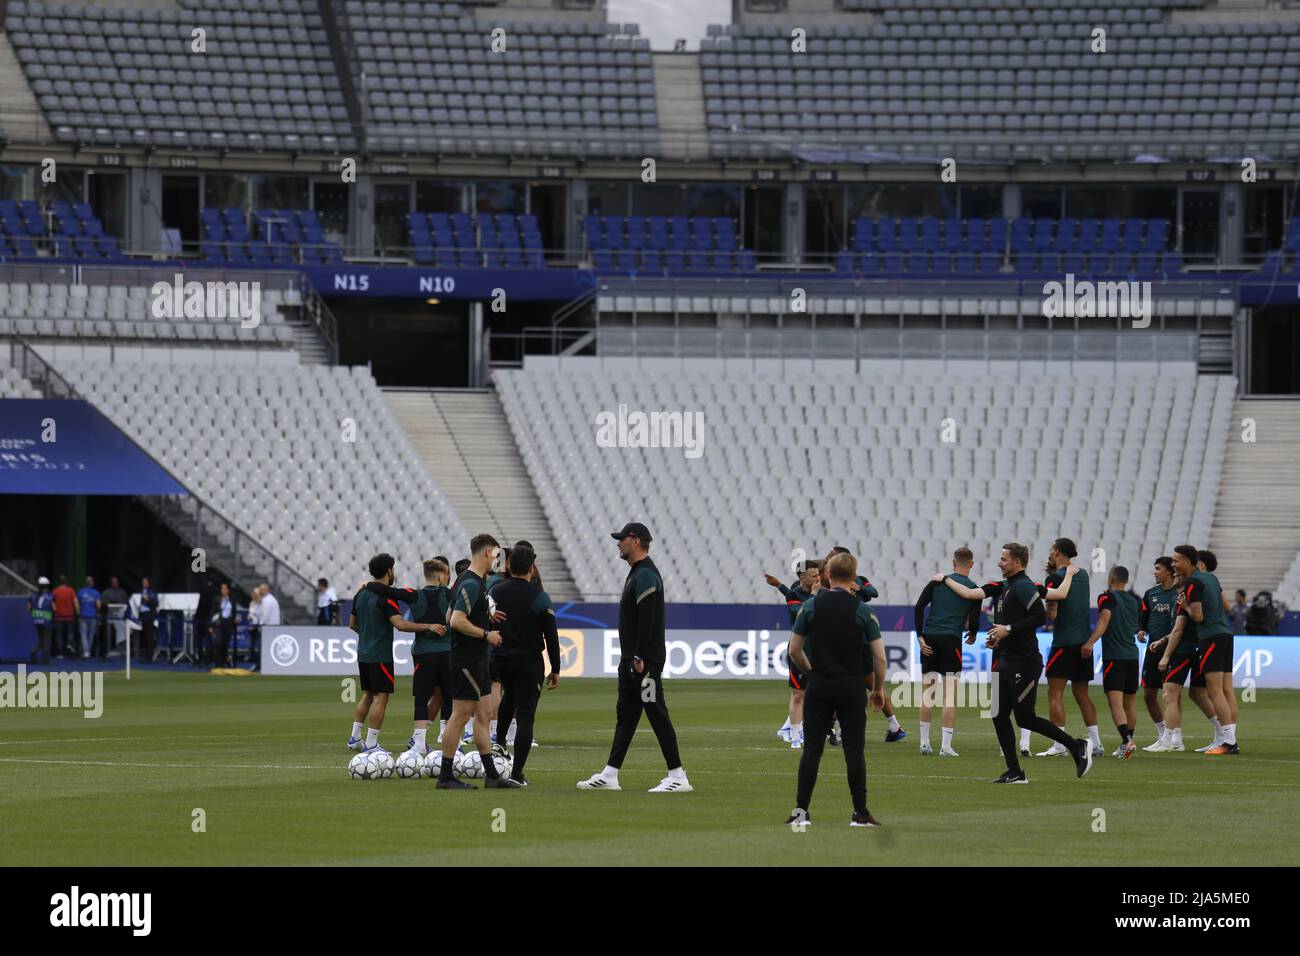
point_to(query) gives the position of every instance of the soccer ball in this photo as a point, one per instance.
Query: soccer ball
(503, 764)
(457, 763)
(367, 766)
(472, 765)
(433, 764)
(410, 765)
(384, 766)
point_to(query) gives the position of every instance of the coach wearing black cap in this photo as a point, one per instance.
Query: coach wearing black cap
(640, 665)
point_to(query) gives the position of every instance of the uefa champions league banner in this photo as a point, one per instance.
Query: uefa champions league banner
(725, 654)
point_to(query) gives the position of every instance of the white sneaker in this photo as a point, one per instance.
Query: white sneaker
(1176, 745)
(1118, 751)
(796, 743)
(784, 734)
(672, 785)
(1159, 747)
(948, 752)
(599, 782)
(1055, 750)
(1098, 750)
(925, 750)
(1210, 746)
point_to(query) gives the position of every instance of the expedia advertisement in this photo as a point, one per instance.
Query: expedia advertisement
(724, 654)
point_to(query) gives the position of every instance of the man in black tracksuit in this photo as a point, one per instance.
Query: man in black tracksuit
(834, 642)
(640, 667)
(528, 624)
(1019, 613)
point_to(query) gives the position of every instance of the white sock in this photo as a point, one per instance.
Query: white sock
(924, 725)
(609, 773)
(1218, 730)
(947, 738)
(1024, 739)
(1176, 735)
(786, 725)
(1094, 734)
(677, 773)
(1230, 733)
(372, 737)
(796, 730)
(356, 728)
(511, 731)
(893, 724)
(492, 729)
(1160, 729)
(418, 738)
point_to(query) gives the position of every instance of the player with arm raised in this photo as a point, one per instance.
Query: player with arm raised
(1068, 586)
(809, 583)
(1018, 614)
(1178, 659)
(373, 619)
(939, 637)
(1117, 620)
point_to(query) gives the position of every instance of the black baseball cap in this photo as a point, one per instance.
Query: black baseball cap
(633, 528)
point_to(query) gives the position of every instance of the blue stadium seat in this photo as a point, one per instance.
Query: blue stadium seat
(1067, 235)
(862, 235)
(1157, 235)
(990, 262)
(963, 263)
(952, 235)
(1173, 263)
(1089, 236)
(1044, 235)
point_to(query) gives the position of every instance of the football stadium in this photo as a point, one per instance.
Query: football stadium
(895, 402)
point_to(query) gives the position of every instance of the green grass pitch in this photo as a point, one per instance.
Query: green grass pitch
(264, 758)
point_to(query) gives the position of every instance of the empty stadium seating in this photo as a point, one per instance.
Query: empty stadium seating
(277, 237)
(982, 246)
(560, 88)
(1006, 79)
(270, 451)
(501, 240)
(664, 245)
(797, 456)
(123, 313)
(125, 74)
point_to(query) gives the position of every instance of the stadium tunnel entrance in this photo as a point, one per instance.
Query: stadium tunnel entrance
(426, 343)
(1273, 351)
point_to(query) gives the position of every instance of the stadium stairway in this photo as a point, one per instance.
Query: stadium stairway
(463, 439)
(680, 95)
(20, 114)
(1256, 530)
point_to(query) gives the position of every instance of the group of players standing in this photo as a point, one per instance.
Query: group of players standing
(472, 662)
(1183, 620)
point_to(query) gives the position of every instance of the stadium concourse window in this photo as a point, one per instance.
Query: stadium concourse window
(15, 182)
(901, 201)
(180, 206)
(436, 195)
(279, 192)
(392, 204)
(106, 194)
(500, 195)
(1264, 220)
(981, 202)
(1121, 202)
(330, 199)
(609, 199)
(1040, 202)
(224, 191)
(825, 227)
(660, 199)
(762, 218)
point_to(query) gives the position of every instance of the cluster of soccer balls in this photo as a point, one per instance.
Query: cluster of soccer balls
(378, 765)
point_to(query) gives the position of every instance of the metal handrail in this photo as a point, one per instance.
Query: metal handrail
(53, 385)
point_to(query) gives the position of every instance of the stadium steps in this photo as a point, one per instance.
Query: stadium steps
(679, 93)
(20, 115)
(463, 439)
(307, 341)
(1256, 530)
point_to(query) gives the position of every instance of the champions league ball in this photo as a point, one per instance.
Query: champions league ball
(458, 763)
(503, 764)
(410, 765)
(366, 766)
(385, 765)
(472, 766)
(433, 764)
